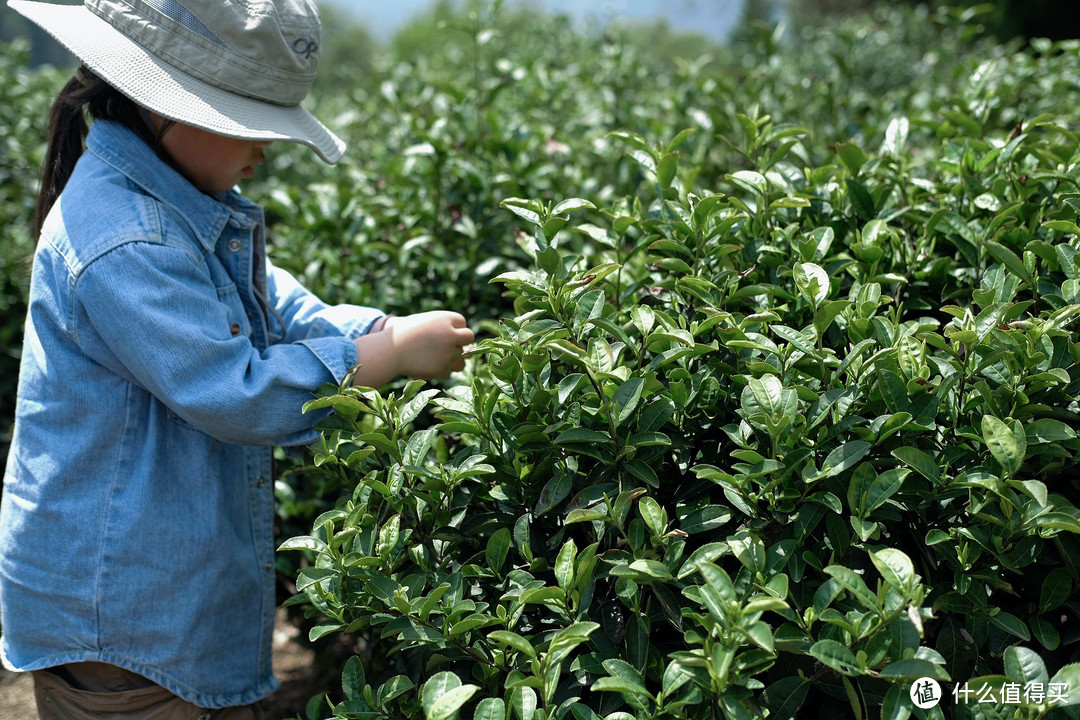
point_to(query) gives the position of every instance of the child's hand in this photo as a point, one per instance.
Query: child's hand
(429, 344)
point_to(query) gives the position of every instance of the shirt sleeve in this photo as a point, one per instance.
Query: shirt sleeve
(306, 316)
(152, 314)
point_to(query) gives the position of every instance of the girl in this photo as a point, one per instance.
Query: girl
(164, 357)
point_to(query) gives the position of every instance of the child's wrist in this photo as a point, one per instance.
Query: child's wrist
(376, 359)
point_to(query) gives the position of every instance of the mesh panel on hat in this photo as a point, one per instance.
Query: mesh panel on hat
(173, 9)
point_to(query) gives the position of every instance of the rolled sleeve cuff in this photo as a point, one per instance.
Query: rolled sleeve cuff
(337, 354)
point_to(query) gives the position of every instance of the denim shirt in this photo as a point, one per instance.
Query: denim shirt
(162, 362)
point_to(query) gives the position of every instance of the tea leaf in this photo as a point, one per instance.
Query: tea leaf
(514, 640)
(913, 668)
(1056, 589)
(766, 392)
(653, 515)
(572, 205)
(852, 157)
(1008, 258)
(786, 696)
(490, 709)
(353, 679)
(1007, 442)
(1011, 624)
(582, 435)
(883, 487)
(626, 399)
(1069, 677)
(1024, 666)
(525, 209)
(813, 282)
(564, 565)
(854, 584)
(844, 457)
(497, 548)
(447, 704)
(920, 462)
(896, 568)
(836, 656)
(896, 136)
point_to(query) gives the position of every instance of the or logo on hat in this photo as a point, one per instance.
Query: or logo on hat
(305, 46)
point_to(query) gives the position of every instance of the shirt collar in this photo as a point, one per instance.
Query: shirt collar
(206, 214)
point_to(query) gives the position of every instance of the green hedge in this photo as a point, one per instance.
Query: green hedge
(779, 414)
(774, 407)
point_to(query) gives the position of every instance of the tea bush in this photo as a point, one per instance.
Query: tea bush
(774, 407)
(779, 414)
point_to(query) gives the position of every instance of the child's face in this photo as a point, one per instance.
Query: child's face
(212, 162)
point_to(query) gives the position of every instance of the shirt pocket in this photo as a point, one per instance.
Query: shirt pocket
(238, 323)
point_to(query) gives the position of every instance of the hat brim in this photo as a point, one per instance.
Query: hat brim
(170, 92)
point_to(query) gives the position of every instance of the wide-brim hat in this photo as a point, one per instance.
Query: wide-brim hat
(235, 69)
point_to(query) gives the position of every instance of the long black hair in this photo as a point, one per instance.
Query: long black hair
(84, 95)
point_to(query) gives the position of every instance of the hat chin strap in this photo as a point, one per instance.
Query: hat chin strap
(147, 118)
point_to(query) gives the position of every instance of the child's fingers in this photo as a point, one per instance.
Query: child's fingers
(463, 336)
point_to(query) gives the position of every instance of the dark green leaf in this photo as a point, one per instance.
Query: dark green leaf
(861, 199)
(1007, 442)
(1011, 624)
(785, 696)
(844, 457)
(497, 548)
(353, 679)
(920, 462)
(852, 157)
(626, 399)
(836, 656)
(913, 668)
(514, 640)
(582, 435)
(854, 584)
(1024, 666)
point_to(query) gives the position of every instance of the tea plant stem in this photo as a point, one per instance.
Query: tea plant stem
(469, 650)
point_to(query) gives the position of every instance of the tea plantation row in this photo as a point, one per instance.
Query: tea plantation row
(774, 407)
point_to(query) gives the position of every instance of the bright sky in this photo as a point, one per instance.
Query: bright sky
(715, 18)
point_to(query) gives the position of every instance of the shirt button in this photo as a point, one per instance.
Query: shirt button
(260, 482)
(235, 329)
(234, 245)
(269, 566)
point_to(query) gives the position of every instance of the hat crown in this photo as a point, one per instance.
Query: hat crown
(263, 49)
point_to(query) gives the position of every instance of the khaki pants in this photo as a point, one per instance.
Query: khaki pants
(96, 691)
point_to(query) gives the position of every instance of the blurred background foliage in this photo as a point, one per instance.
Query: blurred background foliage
(1003, 19)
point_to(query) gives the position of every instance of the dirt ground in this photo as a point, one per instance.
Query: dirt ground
(292, 665)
